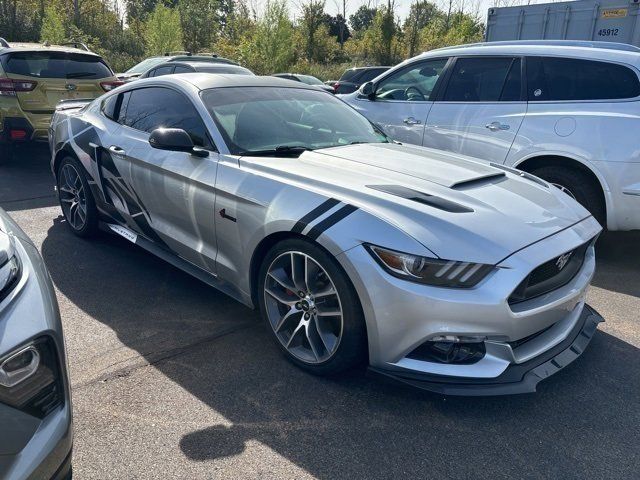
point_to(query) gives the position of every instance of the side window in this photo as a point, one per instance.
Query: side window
(369, 75)
(163, 71)
(111, 106)
(155, 107)
(414, 83)
(483, 79)
(551, 78)
(183, 69)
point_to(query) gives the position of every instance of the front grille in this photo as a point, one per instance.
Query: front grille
(551, 275)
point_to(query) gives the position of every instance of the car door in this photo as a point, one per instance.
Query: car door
(174, 191)
(481, 108)
(401, 100)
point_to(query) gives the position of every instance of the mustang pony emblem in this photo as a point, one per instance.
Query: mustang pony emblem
(562, 260)
(71, 86)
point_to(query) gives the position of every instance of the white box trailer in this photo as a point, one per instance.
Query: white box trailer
(604, 20)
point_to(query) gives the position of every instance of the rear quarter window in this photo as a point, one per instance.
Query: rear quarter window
(48, 64)
(566, 79)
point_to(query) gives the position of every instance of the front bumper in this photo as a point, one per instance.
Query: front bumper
(401, 316)
(517, 378)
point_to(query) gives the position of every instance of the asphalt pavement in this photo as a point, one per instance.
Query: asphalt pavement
(172, 379)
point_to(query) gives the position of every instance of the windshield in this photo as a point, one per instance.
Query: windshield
(145, 65)
(57, 65)
(253, 119)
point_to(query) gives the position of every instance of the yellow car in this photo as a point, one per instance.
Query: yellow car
(34, 78)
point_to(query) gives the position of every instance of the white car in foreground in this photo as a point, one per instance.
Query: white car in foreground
(566, 111)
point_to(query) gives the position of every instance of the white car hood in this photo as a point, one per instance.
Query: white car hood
(500, 212)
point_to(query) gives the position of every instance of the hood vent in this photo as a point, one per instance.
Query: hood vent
(424, 198)
(478, 182)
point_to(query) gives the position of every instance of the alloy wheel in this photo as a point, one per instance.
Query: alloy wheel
(73, 197)
(303, 307)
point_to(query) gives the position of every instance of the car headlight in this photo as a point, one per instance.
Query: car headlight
(9, 276)
(430, 271)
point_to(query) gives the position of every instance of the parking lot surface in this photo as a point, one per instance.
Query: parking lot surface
(172, 379)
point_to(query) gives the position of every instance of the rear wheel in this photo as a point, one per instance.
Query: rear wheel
(578, 186)
(311, 308)
(77, 202)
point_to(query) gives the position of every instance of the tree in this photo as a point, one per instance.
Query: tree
(272, 48)
(200, 23)
(316, 41)
(162, 31)
(420, 14)
(52, 30)
(363, 18)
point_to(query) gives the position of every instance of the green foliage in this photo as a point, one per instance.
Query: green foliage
(266, 42)
(272, 48)
(163, 31)
(363, 18)
(52, 30)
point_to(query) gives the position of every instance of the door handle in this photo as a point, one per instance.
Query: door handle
(497, 126)
(411, 121)
(116, 150)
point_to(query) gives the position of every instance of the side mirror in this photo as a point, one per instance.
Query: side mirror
(367, 90)
(176, 140)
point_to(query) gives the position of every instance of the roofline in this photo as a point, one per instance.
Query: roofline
(541, 43)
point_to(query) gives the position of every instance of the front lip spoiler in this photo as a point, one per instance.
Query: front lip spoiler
(517, 378)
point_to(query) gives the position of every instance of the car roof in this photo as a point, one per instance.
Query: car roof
(561, 48)
(39, 47)
(204, 81)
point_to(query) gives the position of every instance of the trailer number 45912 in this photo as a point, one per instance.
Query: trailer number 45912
(608, 32)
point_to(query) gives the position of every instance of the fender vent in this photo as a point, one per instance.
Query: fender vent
(424, 198)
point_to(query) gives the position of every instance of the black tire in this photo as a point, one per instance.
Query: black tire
(352, 348)
(90, 226)
(580, 186)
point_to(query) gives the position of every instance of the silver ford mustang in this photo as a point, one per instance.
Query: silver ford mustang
(440, 271)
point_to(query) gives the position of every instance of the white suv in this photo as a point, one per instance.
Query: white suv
(566, 111)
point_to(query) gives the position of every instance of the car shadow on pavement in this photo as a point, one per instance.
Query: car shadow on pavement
(581, 423)
(618, 262)
(27, 181)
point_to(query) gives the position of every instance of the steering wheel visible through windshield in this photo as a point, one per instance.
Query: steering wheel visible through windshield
(265, 119)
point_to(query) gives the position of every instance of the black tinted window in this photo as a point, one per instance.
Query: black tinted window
(574, 79)
(182, 69)
(56, 65)
(348, 75)
(479, 79)
(111, 106)
(371, 74)
(162, 71)
(155, 107)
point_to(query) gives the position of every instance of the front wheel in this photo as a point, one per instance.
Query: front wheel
(311, 308)
(77, 202)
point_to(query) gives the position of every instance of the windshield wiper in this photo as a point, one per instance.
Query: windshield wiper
(279, 150)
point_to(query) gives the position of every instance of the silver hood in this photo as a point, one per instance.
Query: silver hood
(457, 207)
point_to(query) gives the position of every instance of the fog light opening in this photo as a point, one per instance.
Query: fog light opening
(451, 349)
(19, 367)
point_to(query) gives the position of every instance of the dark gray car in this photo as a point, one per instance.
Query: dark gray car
(35, 401)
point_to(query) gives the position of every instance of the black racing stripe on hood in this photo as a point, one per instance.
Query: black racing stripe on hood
(330, 221)
(313, 214)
